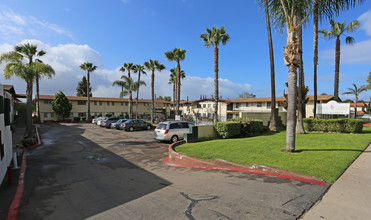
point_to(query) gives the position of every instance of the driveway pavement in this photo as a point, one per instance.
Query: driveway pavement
(83, 171)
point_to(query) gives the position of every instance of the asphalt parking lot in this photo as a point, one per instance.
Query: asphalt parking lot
(84, 171)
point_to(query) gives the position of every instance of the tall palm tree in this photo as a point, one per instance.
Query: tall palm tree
(38, 76)
(325, 10)
(20, 63)
(337, 30)
(292, 14)
(273, 119)
(89, 67)
(355, 91)
(153, 65)
(128, 67)
(172, 80)
(213, 37)
(177, 55)
(138, 69)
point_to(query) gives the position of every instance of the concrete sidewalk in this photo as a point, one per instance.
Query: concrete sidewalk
(350, 196)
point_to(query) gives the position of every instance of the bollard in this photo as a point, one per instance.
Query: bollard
(9, 175)
(15, 161)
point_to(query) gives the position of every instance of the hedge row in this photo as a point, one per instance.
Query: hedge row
(334, 125)
(243, 127)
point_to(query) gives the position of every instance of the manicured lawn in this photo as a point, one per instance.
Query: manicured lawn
(322, 155)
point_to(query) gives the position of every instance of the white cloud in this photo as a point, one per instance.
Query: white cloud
(15, 26)
(66, 59)
(365, 20)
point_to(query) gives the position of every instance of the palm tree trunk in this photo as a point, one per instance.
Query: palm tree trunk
(273, 119)
(174, 92)
(355, 108)
(216, 82)
(292, 61)
(130, 99)
(315, 57)
(177, 88)
(38, 99)
(29, 109)
(136, 107)
(153, 95)
(88, 93)
(299, 124)
(337, 69)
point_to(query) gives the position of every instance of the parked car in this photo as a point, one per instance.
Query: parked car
(171, 130)
(117, 123)
(135, 124)
(95, 120)
(100, 120)
(107, 122)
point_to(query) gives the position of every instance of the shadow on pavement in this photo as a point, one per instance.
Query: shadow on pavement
(70, 177)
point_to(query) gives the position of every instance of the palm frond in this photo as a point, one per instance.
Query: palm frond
(349, 40)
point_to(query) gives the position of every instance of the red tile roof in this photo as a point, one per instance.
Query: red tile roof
(80, 98)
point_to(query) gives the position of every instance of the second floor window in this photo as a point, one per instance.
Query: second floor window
(259, 104)
(268, 104)
(247, 104)
(81, 102)
(98, 103)
(110, 103)
(47, 101)
(238, 105)
(124, 104)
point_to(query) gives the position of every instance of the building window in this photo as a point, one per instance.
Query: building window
(71, 114)
(259, 104)
(98, 103)
(247, 104)
(238, 105)
(204, 115)
(268, 104)
(198, 106)
(48, 102)
(204, 105)
(48, 114)
(209, 115)
(81, 102)
(209, 105)
(146, 104)
(124, 104)
(82, 114)
(110, 103)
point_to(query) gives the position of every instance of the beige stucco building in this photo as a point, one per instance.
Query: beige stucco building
(102, 106)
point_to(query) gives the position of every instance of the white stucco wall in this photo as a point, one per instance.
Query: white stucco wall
(6, 139)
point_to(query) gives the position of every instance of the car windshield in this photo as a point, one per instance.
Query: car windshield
(161, 126)
(128, 121)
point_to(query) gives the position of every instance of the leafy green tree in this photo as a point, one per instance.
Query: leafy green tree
(337, 30)
(172, 80)
(138, 69)
(89, 67)
(355, 91)
(369, 80)
(82, 88)
(153, 65)
(20, 63)
(177, 55)
(61, 105)
(129, 67)
(348, 101)
(213, 37)
(246, 95)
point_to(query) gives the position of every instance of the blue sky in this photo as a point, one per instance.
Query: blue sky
(109, 33)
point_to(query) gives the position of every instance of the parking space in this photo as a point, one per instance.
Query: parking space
(122, 176)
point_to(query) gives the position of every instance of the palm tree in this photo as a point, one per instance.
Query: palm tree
(138, 69)
(172, 80)
(128, 67)
(20, 64)
(326, 9)
(89, 67)
(38, 76)
(355, 91)
(213, 37)
(177, 55)
(273, 119)
(127, 85)
(337, 30)
(153, 65)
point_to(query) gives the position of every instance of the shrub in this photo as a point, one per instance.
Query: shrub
(28, 141)
(250, 127)
(76, 119)
(107, 115)
(159, 118)
(334, 125)
(189, 118)
(228, 129)
(83, 119)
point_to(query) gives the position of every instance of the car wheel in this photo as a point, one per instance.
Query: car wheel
(174, 138)
(149, 127)
(131, 129)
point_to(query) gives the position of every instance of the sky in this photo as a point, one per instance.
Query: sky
(113, 32)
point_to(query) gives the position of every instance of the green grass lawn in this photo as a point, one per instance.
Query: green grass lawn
(323, 155)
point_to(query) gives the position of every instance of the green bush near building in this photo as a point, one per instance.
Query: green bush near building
(343, 125)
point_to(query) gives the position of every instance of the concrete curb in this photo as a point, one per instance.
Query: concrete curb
(179, 160)
(16, 203)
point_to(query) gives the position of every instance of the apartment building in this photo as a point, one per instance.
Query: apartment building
(102, 106)
(204, 108)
